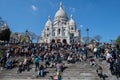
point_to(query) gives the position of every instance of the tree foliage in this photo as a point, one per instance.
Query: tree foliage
(23, 39)
(85, 39)
(4, 31)
(31, 35)
(1, 22)
(98, 38)
(118, 40)
(5, 35)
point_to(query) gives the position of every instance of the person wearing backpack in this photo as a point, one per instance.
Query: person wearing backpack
(37, 60)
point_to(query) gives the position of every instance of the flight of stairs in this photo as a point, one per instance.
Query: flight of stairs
(80, 71)
(106, 70)
(77, 71)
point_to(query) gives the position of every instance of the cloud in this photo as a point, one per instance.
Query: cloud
(81, 26)
(34, 8)
(72, 9)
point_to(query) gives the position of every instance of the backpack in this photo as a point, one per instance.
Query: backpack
(37, 60)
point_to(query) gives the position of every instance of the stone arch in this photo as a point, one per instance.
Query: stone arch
(64, 41)
(53, 41)
(58, 31)
(58, 40)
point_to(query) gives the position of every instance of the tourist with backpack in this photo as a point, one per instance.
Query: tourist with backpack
(37, 60)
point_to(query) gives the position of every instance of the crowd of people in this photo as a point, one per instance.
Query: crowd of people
(54, 54)
(112, 56)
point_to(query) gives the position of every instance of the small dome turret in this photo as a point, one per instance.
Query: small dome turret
(72, 22)
(49, 22)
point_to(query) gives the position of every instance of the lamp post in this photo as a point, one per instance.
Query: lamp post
(26, 36)
(26, 32)
(87, 30)
(80, 33)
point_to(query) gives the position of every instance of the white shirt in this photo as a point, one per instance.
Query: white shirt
(95, 50)
(108, 55)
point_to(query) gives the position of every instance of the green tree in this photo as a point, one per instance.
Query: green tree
(4, 31)
(31, 35)
(98, 38)
(23, 39)
(118, 40)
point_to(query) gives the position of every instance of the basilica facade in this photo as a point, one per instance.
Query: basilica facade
(61, 29)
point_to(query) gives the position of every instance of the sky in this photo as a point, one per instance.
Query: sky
(102, 17)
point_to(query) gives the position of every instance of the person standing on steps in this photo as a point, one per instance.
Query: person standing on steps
(37, 60)
(86, 51)
(41, 71)
(95, 52)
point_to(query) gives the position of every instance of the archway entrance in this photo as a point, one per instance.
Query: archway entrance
(58, 40)
(53, 41)
(64, 41)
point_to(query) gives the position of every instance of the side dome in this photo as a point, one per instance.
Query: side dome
(72, 22)
(61, 13)
(49, 22)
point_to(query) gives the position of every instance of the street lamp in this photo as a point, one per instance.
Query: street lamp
(27, 36)
(87, 30)
(26, 32)
(81, 33)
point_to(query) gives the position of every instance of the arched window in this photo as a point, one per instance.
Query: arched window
(47, 28)
(47, 35)
(72, 28)
(64, 41)
(53, 41)
(58, 31)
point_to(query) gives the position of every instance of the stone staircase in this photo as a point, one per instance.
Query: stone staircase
(106, 70)
(12, 74)
(77, 71)
(80, 71)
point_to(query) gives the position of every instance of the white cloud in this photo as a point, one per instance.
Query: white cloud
(34, 8)
(81, 26)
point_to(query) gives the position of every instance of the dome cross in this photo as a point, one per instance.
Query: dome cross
(48, 17)
(71, 16)
(60, 5)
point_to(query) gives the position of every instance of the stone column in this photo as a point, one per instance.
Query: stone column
(56, 32)
(61, 32)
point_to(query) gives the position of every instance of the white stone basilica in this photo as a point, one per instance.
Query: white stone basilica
(61, 29)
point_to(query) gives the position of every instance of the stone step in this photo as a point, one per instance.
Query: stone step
(74, 78)
(24, 74)
(51, 70)
(64, 78)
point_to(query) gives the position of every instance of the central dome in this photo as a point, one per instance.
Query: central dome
(60, 13)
